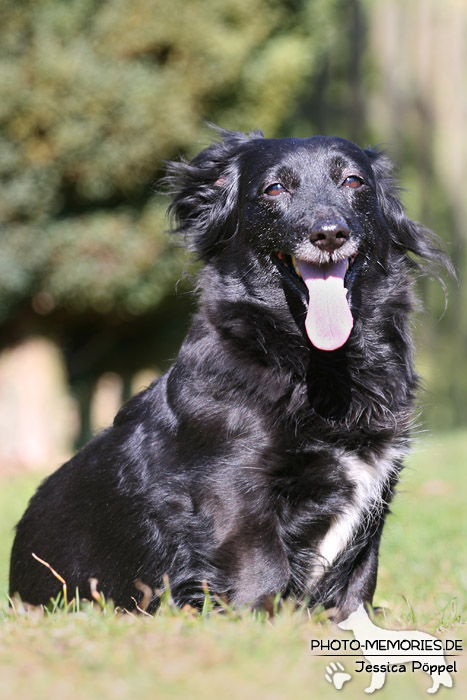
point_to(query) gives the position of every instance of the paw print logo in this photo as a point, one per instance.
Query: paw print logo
(336, 675)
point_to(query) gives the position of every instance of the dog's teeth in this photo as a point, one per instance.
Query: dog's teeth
(348, 264)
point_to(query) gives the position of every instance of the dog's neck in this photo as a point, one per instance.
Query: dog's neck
(354, 384)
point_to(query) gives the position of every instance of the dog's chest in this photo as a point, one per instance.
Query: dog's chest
(361, 507)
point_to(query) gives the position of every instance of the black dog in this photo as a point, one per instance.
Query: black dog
(264, 461)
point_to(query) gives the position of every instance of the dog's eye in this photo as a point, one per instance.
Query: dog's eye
(353, 181)
(275, 189)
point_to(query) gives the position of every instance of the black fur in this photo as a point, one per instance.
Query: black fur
(231, 468)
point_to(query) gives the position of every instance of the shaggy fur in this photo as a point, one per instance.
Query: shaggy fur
(259, 463)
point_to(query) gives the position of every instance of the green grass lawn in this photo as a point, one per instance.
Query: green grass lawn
(95, 654)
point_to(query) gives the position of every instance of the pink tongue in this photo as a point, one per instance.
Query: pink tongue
(329, 320)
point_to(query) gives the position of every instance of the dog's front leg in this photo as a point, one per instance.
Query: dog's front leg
(362, 581)
(256, 567)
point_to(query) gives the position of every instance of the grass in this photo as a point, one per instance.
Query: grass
(96, 653)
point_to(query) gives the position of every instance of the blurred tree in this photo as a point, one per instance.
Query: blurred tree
(419, 101)
(94, 95)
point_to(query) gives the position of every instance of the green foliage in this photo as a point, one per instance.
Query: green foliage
(94, 96)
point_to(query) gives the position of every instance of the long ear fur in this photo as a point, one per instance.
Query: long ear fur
(206, 190)
(407, 235)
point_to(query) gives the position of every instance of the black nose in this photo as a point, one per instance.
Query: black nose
(329, 234)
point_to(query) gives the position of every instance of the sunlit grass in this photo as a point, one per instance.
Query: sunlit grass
(99, 652)
(424, 552)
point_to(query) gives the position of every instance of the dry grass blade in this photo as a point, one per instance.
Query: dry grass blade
(147, 595)
(57, 576)
(94, 592)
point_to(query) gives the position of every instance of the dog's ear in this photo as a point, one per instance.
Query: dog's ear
(205, 193)
(408, 236)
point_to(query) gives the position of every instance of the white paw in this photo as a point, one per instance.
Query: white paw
(337, 675)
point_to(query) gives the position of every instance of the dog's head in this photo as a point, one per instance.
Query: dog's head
(316, 216)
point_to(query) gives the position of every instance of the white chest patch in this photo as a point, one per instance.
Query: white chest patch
(369, 480)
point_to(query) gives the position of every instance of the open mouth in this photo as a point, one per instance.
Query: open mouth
(329, 320)
(289, 262)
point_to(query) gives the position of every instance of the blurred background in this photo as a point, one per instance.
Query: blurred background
(96, 94)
